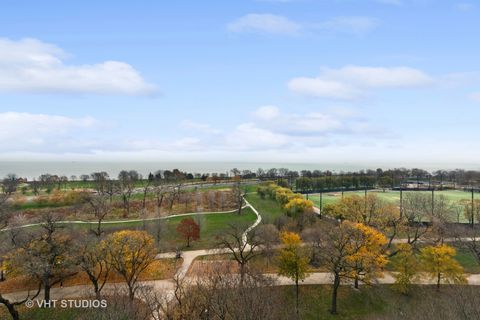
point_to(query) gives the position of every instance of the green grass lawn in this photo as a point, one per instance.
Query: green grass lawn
(467, 260)
(377, 302)
(43, 314)
(269, 209)
(211, 226)
(464, 256)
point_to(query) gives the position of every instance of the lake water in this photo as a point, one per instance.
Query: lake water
(33, 169)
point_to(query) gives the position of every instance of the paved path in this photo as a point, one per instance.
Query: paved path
(256, 223)
(190, 256)
(124, 221)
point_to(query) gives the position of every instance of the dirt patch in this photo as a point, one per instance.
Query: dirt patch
(201, 268)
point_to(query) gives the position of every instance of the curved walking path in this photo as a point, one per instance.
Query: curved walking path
(256, 223)
(125, 221)
(190, 256)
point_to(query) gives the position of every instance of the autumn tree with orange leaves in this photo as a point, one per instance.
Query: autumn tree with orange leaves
(189, 230)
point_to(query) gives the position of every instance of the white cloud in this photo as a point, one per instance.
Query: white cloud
(354, 25)
(30, 65)
(264, 23)
(267, 112)
(202, 127)
(475, 96)
(309, 124)
(249, 137)
(42, 136)
(318, 87)
(21, 131)
(352, 82)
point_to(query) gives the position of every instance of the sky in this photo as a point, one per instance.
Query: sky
(387, 82)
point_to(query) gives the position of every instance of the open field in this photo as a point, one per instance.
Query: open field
(268, 208)
(211, 226)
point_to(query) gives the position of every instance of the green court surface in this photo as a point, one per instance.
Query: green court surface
(394, 196)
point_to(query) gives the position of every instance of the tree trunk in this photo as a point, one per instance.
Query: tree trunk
(242, 273)
(96, 289)
(46, 294)
(240, 205)
(13, 312)
(336, 284)
(438, 281)
(99, 228)
(131, 293)
(296, 297)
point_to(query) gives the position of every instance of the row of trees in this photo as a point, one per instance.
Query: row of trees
(293, 204)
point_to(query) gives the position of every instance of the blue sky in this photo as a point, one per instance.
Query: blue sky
(387, 82)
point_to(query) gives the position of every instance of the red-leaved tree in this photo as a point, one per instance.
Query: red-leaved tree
(189, 230)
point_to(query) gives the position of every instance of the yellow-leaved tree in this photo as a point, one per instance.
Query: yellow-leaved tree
(406, 266)
(293, 260)
(298, 205)
(352, 251)
(367, 256)
(440, 264)
(301, 211)
(129, 254)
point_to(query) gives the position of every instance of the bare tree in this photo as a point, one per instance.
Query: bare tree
(11, 305)
(7, 188)
(47, 258)
(233, 241)
(160, 190)
(218, 295)
(127, 180)
(101, 182)
(238, 195)
(269, 237)
(5, 247)
(92, 259)
(146, 187)
(100, 206)
(416, 210)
